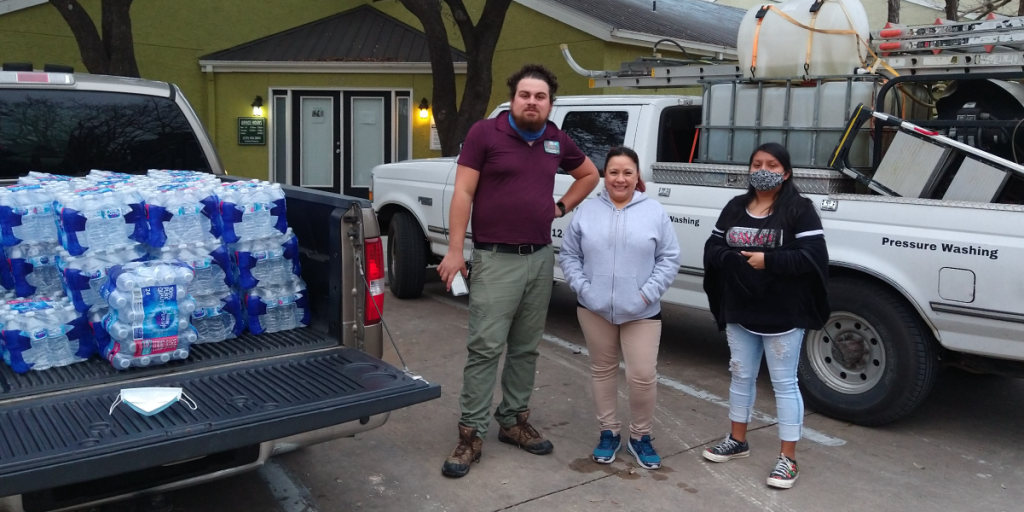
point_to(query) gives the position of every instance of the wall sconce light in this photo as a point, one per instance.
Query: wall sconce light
(257, 107)
(424, 109)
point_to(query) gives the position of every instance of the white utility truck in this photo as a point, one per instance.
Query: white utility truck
(924, 219)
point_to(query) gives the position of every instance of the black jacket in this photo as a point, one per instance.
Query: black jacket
(790, 292)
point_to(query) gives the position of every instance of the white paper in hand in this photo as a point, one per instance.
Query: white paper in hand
(459, 286)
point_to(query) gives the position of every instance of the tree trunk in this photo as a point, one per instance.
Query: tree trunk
(1020, 8)
(114, 54)
(454, 123)
(894, 11)
(952, 9)
(117, 37)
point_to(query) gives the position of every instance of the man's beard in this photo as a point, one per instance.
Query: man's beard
(528, 125)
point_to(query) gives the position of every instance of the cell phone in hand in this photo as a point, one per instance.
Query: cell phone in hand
(459, 287)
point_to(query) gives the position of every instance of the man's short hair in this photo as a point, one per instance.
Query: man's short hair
(536, 71)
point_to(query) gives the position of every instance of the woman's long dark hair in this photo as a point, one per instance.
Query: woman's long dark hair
(628, 152)
(787, 199)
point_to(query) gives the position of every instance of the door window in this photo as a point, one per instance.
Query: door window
(317, 163)
(279, 119)
(596, 132)
(367, 138)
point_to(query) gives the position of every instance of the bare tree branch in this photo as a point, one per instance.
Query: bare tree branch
(985, 8)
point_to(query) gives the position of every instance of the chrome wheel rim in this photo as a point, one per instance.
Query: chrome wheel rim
(848, 355)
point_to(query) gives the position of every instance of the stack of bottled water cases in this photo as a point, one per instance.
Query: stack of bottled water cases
(264, 256)
(148, 320)
(191, 228)
(43, 332)
(144, 266)
(28, 235)
(218, 315)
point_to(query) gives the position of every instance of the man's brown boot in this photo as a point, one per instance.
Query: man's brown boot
(467, 452)
(523, 435)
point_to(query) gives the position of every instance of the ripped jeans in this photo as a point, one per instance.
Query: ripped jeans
(783, 352)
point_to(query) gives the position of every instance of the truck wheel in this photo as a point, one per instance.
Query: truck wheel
(407, 258)
(874, 362)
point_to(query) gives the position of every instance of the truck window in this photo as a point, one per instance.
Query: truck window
(596, 132)
(71, 132)
(677, 134)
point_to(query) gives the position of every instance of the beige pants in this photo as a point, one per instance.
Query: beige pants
(639, 342)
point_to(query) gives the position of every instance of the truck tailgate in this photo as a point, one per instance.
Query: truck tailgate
(68, 436)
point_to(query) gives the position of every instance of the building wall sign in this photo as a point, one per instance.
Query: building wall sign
(252, 131)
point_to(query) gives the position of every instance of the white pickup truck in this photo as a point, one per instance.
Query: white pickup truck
(915, 283)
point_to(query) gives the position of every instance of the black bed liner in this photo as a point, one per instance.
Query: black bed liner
(70, 437)
(99, 371)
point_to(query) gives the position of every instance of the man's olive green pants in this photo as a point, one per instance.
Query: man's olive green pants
(508, 306)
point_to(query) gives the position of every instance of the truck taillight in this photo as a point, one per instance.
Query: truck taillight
(374, 258)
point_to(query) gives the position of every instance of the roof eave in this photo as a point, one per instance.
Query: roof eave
(606, 32)
(646, 40)
(356, 67)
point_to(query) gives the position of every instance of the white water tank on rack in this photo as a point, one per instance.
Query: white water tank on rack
(781, 45)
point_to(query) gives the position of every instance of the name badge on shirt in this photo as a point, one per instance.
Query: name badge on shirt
(551, 146)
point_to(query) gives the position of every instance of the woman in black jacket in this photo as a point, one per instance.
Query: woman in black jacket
(766, 267)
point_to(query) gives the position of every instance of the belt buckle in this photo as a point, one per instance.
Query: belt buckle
(520, 250)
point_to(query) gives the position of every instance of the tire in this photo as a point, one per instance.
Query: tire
(882, 362)
(407, 256)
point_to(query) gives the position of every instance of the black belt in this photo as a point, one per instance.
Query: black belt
(521, 249)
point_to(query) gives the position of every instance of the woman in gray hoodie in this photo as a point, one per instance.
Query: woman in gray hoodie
(620, 255)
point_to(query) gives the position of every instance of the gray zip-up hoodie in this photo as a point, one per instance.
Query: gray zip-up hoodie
(620, 262)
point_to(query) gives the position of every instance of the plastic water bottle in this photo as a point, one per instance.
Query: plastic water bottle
(277, 308)
(181, 176)
(99, 174)
(209, 260)
(34, 269)
(252, 210)
(26, 215)
(181, 213)
(44, 332)
(264, 262)
(54, 182)
(148, 321)
(217, 318)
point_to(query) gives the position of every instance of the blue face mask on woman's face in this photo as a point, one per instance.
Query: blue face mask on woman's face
(764, 180)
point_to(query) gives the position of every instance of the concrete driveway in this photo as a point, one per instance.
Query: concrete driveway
(959, 451)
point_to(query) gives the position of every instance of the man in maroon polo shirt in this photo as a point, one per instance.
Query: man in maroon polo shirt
(506, 173)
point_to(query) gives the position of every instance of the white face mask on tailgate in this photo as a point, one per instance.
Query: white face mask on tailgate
(149, 401)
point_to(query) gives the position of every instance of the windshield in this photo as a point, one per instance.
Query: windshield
(71, 132)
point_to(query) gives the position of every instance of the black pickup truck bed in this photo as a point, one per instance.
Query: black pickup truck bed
(60, 447)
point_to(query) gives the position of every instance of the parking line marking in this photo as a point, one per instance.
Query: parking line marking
(289, 492)
(808, 433)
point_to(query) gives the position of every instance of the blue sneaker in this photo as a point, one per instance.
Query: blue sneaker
(607, 447)
(644, 452)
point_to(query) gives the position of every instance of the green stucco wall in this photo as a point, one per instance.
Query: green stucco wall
(171, 35)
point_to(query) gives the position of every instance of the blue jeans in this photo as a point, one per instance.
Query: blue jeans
(745, 362)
